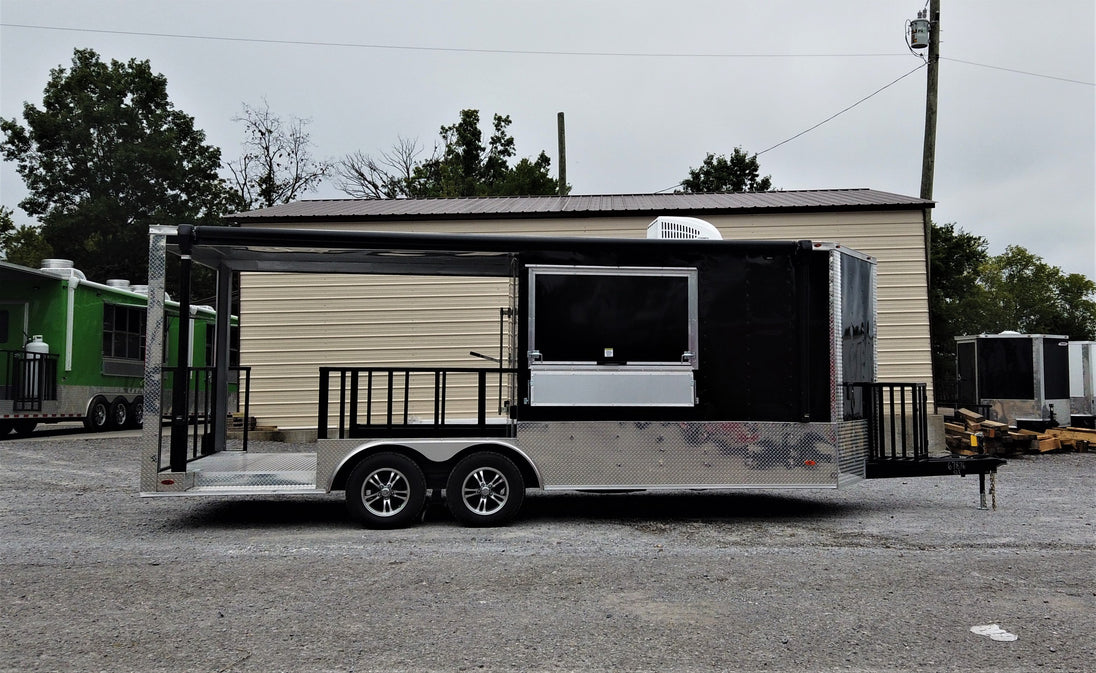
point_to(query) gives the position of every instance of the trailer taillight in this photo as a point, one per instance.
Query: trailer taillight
(167, 482)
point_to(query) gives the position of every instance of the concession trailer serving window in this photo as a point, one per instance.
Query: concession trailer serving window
(612, 336)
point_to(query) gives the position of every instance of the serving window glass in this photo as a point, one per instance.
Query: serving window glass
(625, 316)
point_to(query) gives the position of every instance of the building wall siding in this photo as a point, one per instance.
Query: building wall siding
(294, 323)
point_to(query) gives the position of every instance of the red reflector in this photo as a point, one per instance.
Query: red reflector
(809, 463)
(167, 482)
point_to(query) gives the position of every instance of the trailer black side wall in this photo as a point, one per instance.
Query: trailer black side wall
(764, 314)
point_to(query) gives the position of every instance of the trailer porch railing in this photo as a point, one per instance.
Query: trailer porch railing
(898, 443)
(897, 415)
(412, 401)
(201, 403)
(29, 379)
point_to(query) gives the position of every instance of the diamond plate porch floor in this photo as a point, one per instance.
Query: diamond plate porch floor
(255, 472)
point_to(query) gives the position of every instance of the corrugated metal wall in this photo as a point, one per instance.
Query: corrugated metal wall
(293, 324)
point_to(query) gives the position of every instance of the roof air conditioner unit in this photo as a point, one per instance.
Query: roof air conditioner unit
(682, 228)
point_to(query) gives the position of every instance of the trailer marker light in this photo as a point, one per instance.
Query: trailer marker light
(167, 482)
(809, 463)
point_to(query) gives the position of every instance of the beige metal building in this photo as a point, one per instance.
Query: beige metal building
(293, 324)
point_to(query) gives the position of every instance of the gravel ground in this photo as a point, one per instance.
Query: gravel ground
(887, 575)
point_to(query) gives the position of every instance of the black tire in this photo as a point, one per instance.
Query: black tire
(485, 489)
(386, 490)
(137, 413)
(23, 427)
(98, 417)
(119, 413)
(6, 427)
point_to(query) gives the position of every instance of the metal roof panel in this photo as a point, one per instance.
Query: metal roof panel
(601, 204)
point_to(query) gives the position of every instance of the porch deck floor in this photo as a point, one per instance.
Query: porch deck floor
(246, 472)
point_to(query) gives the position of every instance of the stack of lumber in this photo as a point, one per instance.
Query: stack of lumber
(969, 433)
(236, 423)
(1081, 440)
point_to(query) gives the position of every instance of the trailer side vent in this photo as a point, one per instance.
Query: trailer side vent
(666, 227)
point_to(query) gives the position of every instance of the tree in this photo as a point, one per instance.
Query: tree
(717, 175)
(956, 300)
(106, 156)
(21, 245)
(363, 177)
(972, 292)
(277, 165)
(1026, 294)
(460, 165)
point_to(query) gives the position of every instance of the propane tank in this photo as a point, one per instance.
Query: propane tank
(32, 363)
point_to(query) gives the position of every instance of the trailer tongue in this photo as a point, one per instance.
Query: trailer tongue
(622, 364)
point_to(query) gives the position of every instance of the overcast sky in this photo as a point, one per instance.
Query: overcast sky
(648, 88)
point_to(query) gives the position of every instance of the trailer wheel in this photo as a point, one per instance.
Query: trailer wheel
(98, 415)
(386, 490)
(485, 489)
(23, 428)
(119, 413)
(5, 428)
(137, 413)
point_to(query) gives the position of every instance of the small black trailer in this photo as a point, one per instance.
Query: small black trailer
(628, 364)
(1014, 378)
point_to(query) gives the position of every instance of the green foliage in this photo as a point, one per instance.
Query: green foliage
(1026, 294)
(736, 174)
(22, 245)
(955, 296)
(461, 166)
(106, 156)
(974, 293)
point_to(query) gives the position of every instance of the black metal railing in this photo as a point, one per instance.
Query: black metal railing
(29, 379)
(405, 401)
(897, 416)
(202, 395)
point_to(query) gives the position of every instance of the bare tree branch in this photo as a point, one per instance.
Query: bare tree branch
(277, 165)
(365, 177)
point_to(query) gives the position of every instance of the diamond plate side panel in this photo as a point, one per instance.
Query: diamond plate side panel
(154, 349)
(729, 454)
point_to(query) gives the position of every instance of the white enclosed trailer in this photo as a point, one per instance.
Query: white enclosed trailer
(1082, 383)
(623, 364)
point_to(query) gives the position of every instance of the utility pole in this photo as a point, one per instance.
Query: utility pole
(918, 40)
(562, 154)
(928, 164)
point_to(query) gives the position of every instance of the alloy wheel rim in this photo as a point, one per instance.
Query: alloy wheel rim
(485, 491)
(385, 492)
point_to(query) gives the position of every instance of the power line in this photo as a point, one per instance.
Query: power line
(1019, 72)
(827, 119)
(463, 50)
(838, 114)
(525, 52)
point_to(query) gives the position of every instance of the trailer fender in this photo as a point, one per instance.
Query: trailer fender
(436, 457)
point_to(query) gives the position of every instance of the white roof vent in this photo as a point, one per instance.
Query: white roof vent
(62, 268)
(119, 283)
(682, 228)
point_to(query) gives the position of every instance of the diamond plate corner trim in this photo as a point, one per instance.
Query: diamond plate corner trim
(154, 343)
(837, 370)
(852, 440)
(874, 276)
